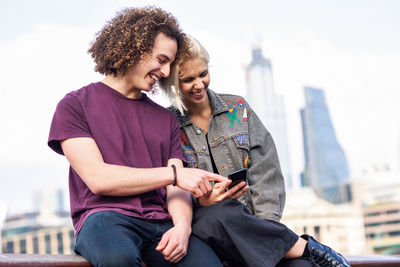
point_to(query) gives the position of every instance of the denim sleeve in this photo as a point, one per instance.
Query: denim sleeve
(267, 187)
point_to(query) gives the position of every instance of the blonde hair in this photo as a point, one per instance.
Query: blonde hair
(191, 48)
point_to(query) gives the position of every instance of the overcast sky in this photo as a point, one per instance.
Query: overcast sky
(350, 49)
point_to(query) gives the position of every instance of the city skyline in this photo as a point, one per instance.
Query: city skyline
(351, 49)
(269, 107)
(326, 169)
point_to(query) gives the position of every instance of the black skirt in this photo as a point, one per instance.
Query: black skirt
(240, 238)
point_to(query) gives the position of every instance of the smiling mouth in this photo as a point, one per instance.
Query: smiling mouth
(199, 93)
(154, 77)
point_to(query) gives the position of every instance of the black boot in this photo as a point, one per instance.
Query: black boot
(323, 255)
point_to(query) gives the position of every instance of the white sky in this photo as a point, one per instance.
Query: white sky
(350, 49)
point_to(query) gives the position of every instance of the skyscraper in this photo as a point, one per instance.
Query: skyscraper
(269, 106)
(326, 168)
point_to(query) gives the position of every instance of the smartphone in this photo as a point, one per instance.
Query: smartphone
(237, 177)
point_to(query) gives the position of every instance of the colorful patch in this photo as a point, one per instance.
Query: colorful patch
(191, 159)
(245, 115)
(231, 115)
(240, 100)
(184, 140)
(245, 161)
(242, 140)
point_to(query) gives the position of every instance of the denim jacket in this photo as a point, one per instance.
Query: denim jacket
(237, 139)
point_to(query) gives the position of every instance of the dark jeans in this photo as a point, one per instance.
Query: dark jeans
(112, 239)
(242, 239)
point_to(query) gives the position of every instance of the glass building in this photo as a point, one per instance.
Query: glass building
(326, 168)
(269, 107)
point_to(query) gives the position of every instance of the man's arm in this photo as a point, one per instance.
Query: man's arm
(174, 242)
(114, 180)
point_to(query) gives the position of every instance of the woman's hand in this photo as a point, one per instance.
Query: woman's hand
(220, 192)
(197, 181)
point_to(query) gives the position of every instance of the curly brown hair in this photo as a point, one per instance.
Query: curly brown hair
(126, 38)
(191, 48)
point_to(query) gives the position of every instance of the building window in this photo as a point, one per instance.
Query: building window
(22, 246)
(372, 214)
(317, 232)
(372, 235)
(72, 239)
(60, 243)
(10, 247)
(394, 233)
(35, 244)
(47, 244)
(373, 224)
(392, 211)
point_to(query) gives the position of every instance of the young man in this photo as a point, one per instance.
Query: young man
(129, 192)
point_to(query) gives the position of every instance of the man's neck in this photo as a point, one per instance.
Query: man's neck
(120, 84)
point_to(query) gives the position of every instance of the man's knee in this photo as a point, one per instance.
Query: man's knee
(119, 256)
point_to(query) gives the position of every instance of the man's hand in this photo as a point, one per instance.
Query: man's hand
(197, 181)
(219, 193)
(174, 243)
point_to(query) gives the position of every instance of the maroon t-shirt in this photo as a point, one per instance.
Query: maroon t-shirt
(129, 132)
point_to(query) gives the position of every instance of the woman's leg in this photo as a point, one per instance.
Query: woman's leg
(297, 250)
(231, 230)
(299, 262)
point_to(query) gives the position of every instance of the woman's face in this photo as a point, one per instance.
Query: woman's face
(193, 82)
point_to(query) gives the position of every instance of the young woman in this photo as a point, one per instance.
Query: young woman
(221, 133)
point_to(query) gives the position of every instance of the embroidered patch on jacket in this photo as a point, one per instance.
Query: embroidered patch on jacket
(245, 115)
(245, 161)
(240, 101)
(242, 140)
(191, 159)
(232, 116)
(235, 108)
(184, 140)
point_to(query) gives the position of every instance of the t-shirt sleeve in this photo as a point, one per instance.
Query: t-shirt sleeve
(176, 149)
(69, 121)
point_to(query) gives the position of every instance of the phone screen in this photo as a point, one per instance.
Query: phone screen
(237, 177)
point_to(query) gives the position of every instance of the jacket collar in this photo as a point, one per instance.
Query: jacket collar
(218, 106)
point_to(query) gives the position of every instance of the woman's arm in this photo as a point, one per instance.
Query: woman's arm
(267, 186)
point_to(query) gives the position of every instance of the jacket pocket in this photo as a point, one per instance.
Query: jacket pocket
(241, 141)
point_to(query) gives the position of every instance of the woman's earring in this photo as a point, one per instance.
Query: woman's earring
(155, 89)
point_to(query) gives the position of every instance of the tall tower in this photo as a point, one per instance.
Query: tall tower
(326, 168)
(269, 107)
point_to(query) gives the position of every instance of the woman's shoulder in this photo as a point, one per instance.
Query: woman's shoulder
(230, 99)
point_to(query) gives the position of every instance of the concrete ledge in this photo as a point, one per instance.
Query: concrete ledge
(374, 260)
(46, 260)
(43, 260)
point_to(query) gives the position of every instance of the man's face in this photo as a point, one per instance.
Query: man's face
(154, 66)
